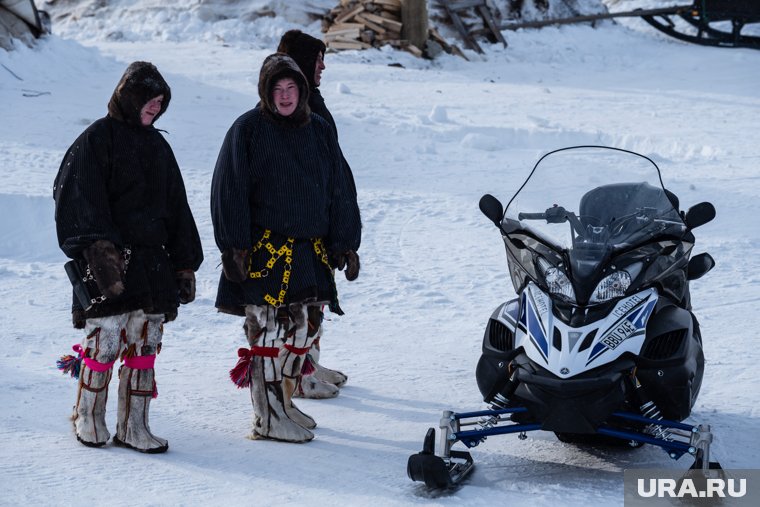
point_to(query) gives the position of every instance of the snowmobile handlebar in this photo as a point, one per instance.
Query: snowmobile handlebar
(555, 215)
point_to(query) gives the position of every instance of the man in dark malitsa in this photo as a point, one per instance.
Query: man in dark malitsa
(122, 215)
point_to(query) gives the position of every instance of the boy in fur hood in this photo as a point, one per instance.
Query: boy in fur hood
(284, 216)
(122, 214)
(308, 52)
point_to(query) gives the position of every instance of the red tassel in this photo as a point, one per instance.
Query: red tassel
(241, 373)
(308, 366)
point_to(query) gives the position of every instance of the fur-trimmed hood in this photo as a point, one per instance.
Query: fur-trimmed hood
(275, 67)
(140, 83)
(304, 49)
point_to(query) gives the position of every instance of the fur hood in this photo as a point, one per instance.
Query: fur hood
(140, 83)
(275, 67)
(304, 49)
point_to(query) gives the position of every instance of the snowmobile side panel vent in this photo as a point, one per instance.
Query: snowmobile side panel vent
(665, 345)
(557, 341)
(500, 336)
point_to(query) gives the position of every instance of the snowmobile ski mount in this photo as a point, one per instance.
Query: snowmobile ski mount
(449, 467)
(707, 22)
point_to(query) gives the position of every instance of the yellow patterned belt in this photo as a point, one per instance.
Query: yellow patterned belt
(276, 254)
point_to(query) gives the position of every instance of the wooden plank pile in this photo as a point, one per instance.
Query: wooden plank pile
(459, 10)
(362, 24)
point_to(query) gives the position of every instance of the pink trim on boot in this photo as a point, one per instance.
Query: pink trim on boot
(93, 364)
(140, 362)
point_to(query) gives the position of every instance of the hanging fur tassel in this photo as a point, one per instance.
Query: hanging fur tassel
(70, 364)
(241, 373)
(308, 366)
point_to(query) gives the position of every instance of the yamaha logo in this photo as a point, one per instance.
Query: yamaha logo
(564, 371)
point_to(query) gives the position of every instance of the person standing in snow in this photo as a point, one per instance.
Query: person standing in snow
(284, 216)
(308, 52)
(121, 213)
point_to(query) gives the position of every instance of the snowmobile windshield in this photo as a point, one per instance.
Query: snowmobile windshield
(583, 205)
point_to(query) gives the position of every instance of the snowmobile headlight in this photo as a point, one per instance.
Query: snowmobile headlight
(612, 286)
(556, 280)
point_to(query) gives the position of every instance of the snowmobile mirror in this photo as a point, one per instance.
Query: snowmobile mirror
(699, 265)
(492, 208)
(699, 214)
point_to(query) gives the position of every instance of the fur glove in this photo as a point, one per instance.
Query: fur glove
(234, 265)
(348, 260)
(107, 266)
(186, 285)
(78, 318)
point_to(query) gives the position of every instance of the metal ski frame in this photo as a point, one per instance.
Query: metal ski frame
(674, 437)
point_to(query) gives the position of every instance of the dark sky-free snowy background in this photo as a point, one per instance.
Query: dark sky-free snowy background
(425, 142)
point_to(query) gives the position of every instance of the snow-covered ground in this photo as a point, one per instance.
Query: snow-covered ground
(425, 141)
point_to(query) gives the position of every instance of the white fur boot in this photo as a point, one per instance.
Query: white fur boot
(136, 388)
(334, 377)
(90, 411)
(312, 388)
(289, 386)
(99, 350)
(269, 417)
(137, 384)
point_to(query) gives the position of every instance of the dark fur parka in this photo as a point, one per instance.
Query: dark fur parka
(119, 181)
(284, 175)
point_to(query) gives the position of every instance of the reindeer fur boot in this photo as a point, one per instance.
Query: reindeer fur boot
(334, 377)
(270, 420)
(289, 386)
(90, 411)
(137, 386)
(136, 390)
(100, 350)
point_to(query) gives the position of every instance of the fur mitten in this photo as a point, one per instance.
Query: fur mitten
(348, 260)
(107, 266)
(234, 265)
(78, 318)
(186, 285)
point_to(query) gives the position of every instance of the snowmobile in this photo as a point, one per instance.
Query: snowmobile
(600, 346)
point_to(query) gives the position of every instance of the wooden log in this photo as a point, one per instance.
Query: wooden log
(374, 18)
(414, 50)
(369, 24)
(352, 33)
(458, 5)
(388, 36)
(395, 16)
(350, 14)
(395, 26)
(488, 19)
(348, 45)
(414, 19)
(390, 6)
(346, 26)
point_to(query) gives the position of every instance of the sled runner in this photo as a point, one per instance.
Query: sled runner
(706, 22)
